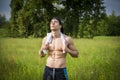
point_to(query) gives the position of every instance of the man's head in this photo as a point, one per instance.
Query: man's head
(55, 24)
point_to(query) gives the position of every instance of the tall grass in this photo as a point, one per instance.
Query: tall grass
(98, 59)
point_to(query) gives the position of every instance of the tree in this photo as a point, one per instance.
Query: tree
(2, 20)
(15, 5)
(113, 25)
(93, 11)
(102, 27)
(82, 12)
(29, 17)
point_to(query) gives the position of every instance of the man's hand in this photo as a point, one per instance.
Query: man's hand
(67, 50)
(41, 54)
(43, 50)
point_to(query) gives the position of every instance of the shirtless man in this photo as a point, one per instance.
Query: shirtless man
(56, 62)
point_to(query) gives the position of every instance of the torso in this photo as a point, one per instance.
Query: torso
(56, 58)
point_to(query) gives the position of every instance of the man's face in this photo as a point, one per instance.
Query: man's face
(54, 24)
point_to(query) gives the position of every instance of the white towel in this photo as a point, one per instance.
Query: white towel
(49, 39)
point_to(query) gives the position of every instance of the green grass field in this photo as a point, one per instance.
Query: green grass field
(99, 59)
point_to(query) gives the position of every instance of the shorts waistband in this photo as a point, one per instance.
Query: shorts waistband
(56, 69)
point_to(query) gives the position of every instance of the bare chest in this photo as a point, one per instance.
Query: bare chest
(56, 44)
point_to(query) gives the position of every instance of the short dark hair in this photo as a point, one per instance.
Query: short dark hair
(59, 20)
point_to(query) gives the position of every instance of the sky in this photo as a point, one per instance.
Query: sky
(110, 6)
(5, 8)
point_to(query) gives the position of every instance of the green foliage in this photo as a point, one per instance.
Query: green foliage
(4, 33)
(103, 27)
(81, 18)
(15, 5)
(29, 17)
(109, 26)
(4, 27)
(99, 59)
(114, 25)
(2, 20)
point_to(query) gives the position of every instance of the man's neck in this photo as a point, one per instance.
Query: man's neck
(55, 34)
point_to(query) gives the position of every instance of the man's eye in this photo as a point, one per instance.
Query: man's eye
(55, 21)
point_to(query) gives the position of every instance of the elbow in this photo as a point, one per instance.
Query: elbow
(76, 55)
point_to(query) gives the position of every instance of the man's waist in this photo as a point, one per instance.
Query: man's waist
(56, 69)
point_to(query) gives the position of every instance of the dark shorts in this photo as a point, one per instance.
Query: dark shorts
(55, 74)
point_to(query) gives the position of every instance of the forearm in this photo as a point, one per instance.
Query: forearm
(73, 53)
(42, 53)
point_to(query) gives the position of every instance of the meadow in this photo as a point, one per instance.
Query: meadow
(99, 59)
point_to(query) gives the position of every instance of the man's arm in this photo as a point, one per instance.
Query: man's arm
(71, 49)
(43, 46)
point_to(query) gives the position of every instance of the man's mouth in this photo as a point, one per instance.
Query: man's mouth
(52, 26)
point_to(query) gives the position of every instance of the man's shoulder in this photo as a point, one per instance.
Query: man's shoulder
(68, 38)
(44, 38)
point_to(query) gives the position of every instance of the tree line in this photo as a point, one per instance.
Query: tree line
(80, 18)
